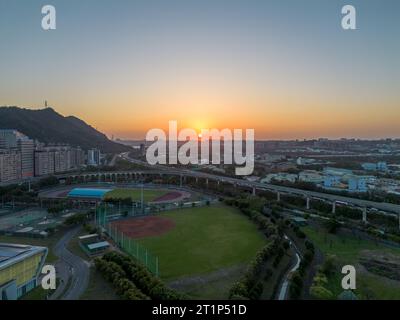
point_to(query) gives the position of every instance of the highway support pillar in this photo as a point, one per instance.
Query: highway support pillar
(278, 196)
(308, 203)
(334, 207)
(254, 191)
(364, 215)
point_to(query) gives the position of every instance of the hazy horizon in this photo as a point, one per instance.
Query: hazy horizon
(286, 69)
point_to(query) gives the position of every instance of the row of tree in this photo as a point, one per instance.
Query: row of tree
(113, 273)
(255, 208)
(297, 280)
(249, 286)
(251, 207)
(319, 288)
(76, 219)
(142, 278)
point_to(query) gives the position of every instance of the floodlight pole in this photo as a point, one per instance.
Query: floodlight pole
(141, 198)
(105, 214)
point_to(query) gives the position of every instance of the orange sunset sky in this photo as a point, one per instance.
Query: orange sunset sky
(284, 68)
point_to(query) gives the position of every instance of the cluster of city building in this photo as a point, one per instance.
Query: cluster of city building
(23, 158)
(339, 179)
(324, 146)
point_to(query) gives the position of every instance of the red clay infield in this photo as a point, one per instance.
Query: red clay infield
(144, 227)
(173, 195)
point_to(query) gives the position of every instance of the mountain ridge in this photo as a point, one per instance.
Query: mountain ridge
(48, 126)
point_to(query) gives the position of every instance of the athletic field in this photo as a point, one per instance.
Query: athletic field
(201, 240)
(135, 194)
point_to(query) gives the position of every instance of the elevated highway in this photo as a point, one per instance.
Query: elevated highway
(240, 183)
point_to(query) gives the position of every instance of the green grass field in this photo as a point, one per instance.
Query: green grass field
(348, 250)
(135, 194)
(204, 240)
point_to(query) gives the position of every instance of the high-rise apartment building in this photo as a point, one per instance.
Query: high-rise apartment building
(61, 160)
(10, 165)
(27, 148)
(22, 158)
(44, 163)
(9, 138)
(57, 159)
(77, 157)
(94, 156)
(15, 140)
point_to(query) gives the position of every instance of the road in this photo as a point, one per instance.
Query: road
(165, 170)
(263, 186)
(72, 270)
(283, 291)
(161, 169)
(113, 160)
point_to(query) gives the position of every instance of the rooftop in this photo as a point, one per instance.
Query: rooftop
(12, 253)
(98, 245)
(88, 236)
(298, 219)
(88, 193)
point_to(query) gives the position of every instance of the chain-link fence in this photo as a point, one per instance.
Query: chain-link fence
(104, 216)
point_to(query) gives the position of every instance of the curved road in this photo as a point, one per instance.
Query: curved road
(283, 291)
(72, 270)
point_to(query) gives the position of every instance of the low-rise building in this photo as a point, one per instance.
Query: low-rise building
(357, 184)
(252, 178)
(304, 161)
(311, 176)
(93, 245)
(369, 166)
(331, 171)
(270, 158)
(20, 267)
(299, 221)
(379, 166)
(331, 181)
(280, 177)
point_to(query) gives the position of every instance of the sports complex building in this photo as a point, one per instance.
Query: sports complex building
(20, 267)
(88, 193)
